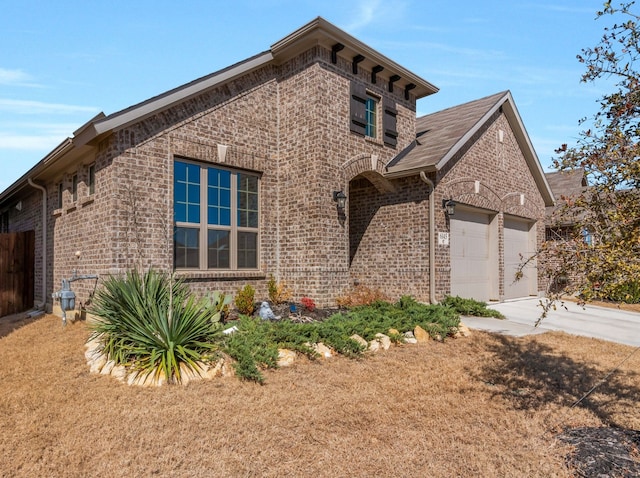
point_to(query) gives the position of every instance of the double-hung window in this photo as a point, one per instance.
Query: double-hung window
(216, 217)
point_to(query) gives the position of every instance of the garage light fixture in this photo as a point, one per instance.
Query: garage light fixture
(341, 199)
(449, 205)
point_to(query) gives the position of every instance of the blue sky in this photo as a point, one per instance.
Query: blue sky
(63, 62)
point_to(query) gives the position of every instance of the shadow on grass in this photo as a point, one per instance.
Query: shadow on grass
(533, 375)
(10, 323)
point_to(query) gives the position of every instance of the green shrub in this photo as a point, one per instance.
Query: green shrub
(245, 300)
(470, 307)
(153, 324)
(255, 345)
(278, 292)
(218, 301)
(252, 348)
(627, 292)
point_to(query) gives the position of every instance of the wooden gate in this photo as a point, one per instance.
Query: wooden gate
(17, 253)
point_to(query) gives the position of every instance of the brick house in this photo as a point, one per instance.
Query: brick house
(564, 184)
(237, 176)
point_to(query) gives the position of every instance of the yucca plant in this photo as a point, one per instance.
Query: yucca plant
(153, 324)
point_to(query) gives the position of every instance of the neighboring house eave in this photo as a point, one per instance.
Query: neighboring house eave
(321, 32)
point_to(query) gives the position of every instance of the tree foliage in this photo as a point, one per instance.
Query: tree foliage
(608, 151)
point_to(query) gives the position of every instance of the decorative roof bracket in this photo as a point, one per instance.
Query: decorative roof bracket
(334, 52)
(376, 69)
(407, 89)
(357, 59)
(392, 80)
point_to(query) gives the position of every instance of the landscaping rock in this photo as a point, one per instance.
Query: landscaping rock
(360, 340)
(393, 332)
(93, 344)
(91, 355)
(421, 335)
(374, 346)
(322, 350)
(213, 370)
(286, 357)
(384, 340)
(464, 330)
(132, 378)
(97, 363)
(188, 374)
(144, 380)
(108, 367)
(119, 372)
(227, 367)
(409, 338)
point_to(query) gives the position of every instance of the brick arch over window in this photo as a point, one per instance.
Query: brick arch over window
(369, 166)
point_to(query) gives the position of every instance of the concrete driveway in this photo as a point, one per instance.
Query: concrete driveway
(591, 321)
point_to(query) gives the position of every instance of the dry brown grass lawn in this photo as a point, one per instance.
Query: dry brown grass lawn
(481, 406)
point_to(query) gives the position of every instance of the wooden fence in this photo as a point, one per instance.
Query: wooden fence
(17, 266)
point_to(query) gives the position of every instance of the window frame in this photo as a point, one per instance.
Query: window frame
(371, 116)
(234, 229)
(74, 187)
(91, 179)
(60, 192)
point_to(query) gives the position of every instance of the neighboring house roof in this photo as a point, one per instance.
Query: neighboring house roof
(567, 183)
(317, 32)
(442, 135)
(564, 184)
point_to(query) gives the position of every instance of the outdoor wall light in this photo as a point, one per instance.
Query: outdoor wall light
(341, 198)
(449, 205)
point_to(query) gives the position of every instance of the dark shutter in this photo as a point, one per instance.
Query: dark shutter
(358, 108)
(389, 123)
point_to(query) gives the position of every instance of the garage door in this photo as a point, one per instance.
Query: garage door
(470, 255)
(517, 246)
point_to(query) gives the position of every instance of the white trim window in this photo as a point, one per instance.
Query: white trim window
(216, 217)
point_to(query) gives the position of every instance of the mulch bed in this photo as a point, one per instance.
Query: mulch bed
(603, 452)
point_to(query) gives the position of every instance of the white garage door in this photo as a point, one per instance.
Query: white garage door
(470, 255)
(518, 247)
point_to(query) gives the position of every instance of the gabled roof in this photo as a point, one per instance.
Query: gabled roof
(567, 183)
(442, 135)
(317, 32)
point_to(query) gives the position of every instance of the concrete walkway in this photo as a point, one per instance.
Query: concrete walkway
(591, 321)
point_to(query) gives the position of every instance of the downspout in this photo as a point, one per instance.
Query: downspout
(432, 239)
(42, 306)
